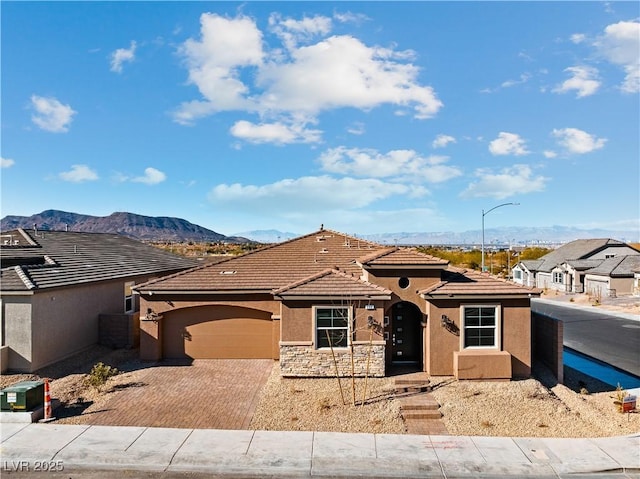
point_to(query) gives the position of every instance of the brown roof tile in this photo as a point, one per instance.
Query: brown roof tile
(402, 257)
(332, 282)
(460, 282)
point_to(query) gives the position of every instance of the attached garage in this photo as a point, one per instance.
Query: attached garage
(218, 332)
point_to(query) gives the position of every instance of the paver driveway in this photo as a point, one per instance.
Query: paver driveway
(207, 393)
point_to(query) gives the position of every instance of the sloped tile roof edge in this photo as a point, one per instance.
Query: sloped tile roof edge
(371, 258)
(517, 288)
(327, 272)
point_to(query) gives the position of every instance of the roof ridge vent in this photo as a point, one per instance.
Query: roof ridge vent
(323, 251)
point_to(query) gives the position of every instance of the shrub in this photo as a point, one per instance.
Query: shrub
(99, 374)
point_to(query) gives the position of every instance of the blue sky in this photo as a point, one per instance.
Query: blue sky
(367, 117)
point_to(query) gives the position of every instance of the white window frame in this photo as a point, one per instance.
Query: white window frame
(555, 275)
(315, 325)
(497, 327)
(129, 297)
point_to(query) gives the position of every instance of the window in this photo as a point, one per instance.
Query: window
(403, 282)
(558, 277)
(333, 321)
(607, 256)
(517, 274)
(129, 303)
(480, 326)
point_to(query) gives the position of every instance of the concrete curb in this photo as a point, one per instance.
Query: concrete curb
(251, 453)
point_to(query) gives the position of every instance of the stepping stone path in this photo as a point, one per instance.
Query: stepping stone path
(419, 409)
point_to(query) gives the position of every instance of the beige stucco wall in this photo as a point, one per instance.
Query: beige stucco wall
(442, 342)
(298, 322)
(53, 324)
(65, 321)
(16, 335)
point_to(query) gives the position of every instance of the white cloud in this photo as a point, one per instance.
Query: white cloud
(292, 32)
(508, 144)
(577, 141)
(515, 180)
(549, 154)
(79, 174)
(307, 194)
(233, 72)
(524, 78)
(620, 45)
(122, 55)
(400, 164)
(278, 133)
(578, 38)
(442, 140)
(51, 115)
(584, 81)
(151, 177)
(6, 163)
(357, 128)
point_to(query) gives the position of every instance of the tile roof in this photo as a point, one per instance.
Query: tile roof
(332, 282)
(578, 249)
(272, 267)
(398, 257)
(617, 267)
(61, 258)
(584, 264)
(321, 263)
(460, 282)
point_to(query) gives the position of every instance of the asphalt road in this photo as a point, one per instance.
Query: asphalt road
(609, 338)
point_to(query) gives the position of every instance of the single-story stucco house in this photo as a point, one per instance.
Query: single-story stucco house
(328, 295)
(565, 268)
(59, 288)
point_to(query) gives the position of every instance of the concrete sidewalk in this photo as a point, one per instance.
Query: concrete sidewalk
(248, 453)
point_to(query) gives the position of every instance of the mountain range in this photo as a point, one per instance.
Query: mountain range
(164, 228)
(161, 228)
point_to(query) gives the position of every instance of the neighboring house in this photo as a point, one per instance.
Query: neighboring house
(613, 276)
(314, 300)
(565, 268)
(58, 287)
(636, 282)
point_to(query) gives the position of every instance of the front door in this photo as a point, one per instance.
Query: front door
(406, 333)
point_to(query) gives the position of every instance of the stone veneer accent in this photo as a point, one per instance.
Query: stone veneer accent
(303, 360)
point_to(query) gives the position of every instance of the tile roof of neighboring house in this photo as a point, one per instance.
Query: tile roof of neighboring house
(617, 267)
(321, 263)
(52, 259)
(584, 264)
(531, 264)
(332, 282)
(578, 249)
(460, 282)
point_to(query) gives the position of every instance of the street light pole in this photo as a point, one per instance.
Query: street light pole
(485, 213)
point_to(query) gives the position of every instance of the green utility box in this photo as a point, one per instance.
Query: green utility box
(23, 396)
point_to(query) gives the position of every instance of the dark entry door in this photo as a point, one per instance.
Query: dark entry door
(406, 333)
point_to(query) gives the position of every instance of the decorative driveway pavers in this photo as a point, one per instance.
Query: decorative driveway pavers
(211, 393)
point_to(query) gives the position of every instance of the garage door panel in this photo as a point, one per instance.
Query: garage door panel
(201, 337)
(229, 338)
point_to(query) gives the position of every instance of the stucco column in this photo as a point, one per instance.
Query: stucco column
(150, 339)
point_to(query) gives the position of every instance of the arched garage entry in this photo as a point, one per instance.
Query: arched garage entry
(217, 332)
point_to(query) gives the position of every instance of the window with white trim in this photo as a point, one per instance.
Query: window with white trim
(481, 326)
(517, 274)
(129, 303)
(332, 326)
(558, 277)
